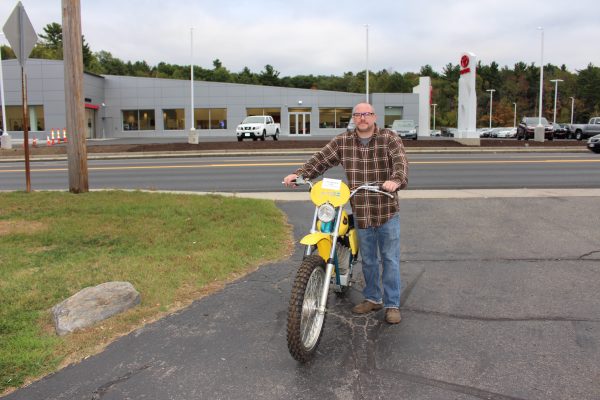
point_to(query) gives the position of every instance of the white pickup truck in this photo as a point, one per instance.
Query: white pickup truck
(257, 127)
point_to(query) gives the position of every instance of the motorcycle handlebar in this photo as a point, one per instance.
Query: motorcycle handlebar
(372, 188)
(301, 181)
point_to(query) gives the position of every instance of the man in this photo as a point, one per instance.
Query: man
(370, 155)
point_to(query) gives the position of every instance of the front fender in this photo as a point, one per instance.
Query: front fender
(323, 242)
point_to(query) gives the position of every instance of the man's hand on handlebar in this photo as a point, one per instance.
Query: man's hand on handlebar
(290, 180)
(390, 186)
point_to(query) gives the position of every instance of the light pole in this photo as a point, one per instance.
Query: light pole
(192, 125)
(555, 97)
(515, 118)
(103, 120)
(491, 101)
(572, 108)
(434, 105)
(4, 132)
(367, 66)
(541, 76)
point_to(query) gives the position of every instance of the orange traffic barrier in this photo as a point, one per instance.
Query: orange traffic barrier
(35, 142)
(48, 142)
(52, 136)
(64, 135)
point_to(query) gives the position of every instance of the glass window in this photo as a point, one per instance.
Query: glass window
(273, 112)
(130, 120)
(138, 120)
(174, 119)
(147, 122)
(14, 117)
(210, 118)
(331, 117)
(392, 113)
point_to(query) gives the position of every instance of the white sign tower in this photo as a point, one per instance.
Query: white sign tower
(467, 101)
(424, 91)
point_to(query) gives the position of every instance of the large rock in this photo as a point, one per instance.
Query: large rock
(93, 304)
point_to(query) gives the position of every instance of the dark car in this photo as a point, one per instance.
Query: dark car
(561, 131)
(593, 144)
(526, 128)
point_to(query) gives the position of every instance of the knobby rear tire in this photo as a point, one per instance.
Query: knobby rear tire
(305, 324)
(343, 255)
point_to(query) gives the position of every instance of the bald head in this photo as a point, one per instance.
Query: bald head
(364, 119)
(362, 107)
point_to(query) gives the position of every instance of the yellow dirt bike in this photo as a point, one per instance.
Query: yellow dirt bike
(329, 258)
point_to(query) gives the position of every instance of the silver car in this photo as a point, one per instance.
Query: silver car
(593, 144)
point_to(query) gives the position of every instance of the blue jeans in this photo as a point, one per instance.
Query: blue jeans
(386, 239)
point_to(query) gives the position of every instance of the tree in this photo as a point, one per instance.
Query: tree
(427, 70)
(246, 77)
(7, 52)
(52, 45)
(588, 92)
(269, 76)
(53, 38)
(111, 65)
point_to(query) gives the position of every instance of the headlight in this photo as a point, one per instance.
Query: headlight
(326, 212)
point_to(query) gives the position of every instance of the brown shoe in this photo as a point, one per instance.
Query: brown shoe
(392, 316)
(366, 307)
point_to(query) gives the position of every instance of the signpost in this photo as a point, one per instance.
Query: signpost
(22, 38)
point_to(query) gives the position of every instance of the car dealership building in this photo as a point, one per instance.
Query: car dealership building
(125, 106)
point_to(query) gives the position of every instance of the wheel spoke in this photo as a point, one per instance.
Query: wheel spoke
(311, 321)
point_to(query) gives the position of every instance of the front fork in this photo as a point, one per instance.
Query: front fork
(330, 266)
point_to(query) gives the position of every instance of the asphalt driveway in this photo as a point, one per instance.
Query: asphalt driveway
(501, 301)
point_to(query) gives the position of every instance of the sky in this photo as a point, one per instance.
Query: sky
(323, 37)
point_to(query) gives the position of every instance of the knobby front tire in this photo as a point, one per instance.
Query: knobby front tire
(305, 324)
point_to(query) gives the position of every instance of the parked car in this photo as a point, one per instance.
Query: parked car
(435, 132)
(593, 144)
(582, 131)
(405, 128)
(561, 131)
(449, 132)
(526, 128)
(494, 132)
(506, 133)
(484, 132)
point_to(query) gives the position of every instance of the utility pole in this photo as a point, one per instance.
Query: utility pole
(74, 105)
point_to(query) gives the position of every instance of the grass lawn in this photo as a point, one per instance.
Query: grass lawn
(172, 248)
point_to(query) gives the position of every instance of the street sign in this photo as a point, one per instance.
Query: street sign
(20, 33)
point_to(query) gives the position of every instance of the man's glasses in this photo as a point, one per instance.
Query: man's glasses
(363, 115)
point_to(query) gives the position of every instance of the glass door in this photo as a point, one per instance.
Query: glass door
(299, 123)
(90, 121)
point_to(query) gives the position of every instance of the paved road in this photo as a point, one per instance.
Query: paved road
(500, 302)
(260, 173)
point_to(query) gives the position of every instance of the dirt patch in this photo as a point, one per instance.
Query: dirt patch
(274, 145)
(20, 227)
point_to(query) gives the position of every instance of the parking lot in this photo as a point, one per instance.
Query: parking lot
(496, 304)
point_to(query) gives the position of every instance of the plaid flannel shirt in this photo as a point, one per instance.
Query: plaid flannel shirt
(382, 159)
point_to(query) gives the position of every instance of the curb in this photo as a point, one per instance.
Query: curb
(307, 151)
